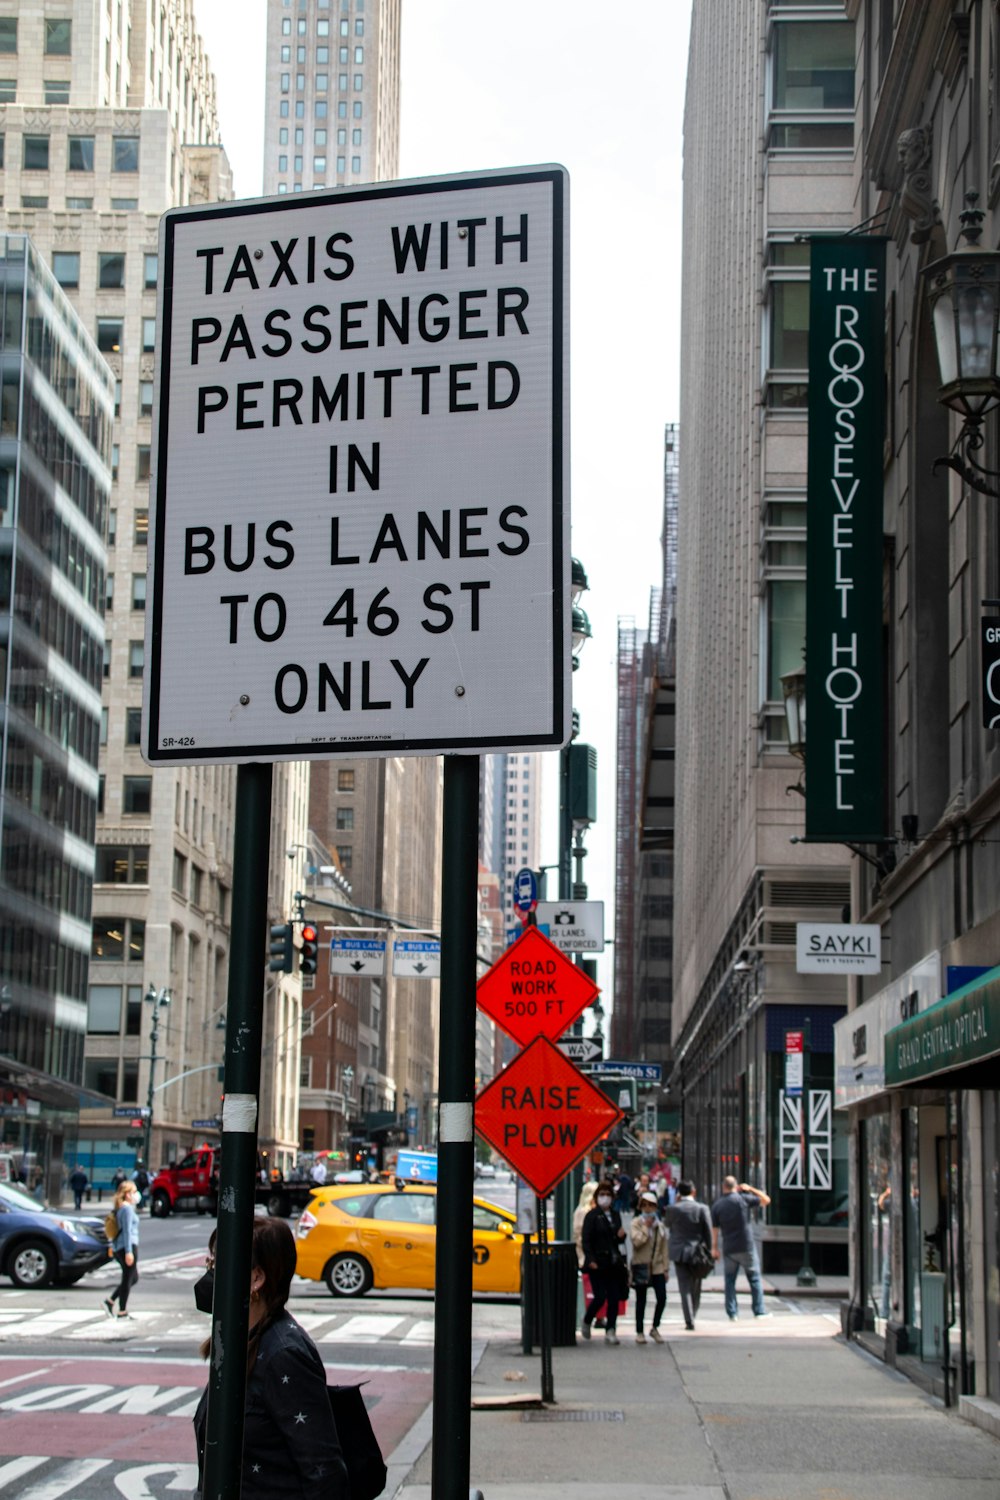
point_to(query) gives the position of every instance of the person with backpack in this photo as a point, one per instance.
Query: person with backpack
(141, 1179)
(122, 1229)
(690, 1243)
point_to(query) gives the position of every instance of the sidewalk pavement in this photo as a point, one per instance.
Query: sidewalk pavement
(778, 1409)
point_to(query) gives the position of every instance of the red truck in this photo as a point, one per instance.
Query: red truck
(192, 1186)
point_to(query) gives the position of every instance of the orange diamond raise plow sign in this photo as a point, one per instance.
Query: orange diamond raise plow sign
(542, 1115)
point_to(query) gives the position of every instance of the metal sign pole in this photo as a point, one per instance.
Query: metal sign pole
(545, 1305)
(450, 1435)
(227, 1372)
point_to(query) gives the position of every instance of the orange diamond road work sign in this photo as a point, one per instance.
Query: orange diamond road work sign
(534, 990)
(542, 1115)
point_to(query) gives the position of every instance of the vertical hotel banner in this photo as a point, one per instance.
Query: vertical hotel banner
(844, 749)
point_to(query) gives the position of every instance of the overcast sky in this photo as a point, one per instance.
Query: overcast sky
(600, 89)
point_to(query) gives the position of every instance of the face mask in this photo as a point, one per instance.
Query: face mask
(649, 1214)
(604, 1201)
(204, 1290)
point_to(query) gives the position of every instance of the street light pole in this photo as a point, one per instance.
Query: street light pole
(157, 1001)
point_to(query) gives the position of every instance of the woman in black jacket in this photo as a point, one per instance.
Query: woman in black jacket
(603, 1240)
(290, 1442)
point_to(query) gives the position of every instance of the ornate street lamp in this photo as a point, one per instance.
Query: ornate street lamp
(964, 293)
(158, 1002)
(793, 687)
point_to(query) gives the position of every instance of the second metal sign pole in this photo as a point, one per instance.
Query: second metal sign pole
(450, 1454)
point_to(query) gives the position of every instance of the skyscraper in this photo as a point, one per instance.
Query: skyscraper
(331, 100)
(109, 118)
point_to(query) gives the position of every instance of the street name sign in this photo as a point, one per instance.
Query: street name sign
(543, 1115)
(580, 1049)
(130, 1111)
(212, 1124)
(574, 926)
(360, 473)
(416, 958)
(838, 948)
(362, 957)
(533, 989)
(642, 1072)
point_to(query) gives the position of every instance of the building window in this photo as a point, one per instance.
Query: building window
(359, 27)
(285, 81)
(116, 454)
(322, 28)
(124, 205)
(322, 83)
(140, 530)
(286, 54)
(136, 658)
(345, 857)
(180, 873)
(298, 164)
(142, 462)
(145, 398)
(322, 55)
(138, 591)
(110, 270)
(133, 726)
(109, 335)
(345, 781)
(359, 82)
(812, 80)
(8, 90)
(81, 153)
(359, 56)
(355, 137)
(36, 153)
(300, 82)
(300, 52)
(286, 26)
(319, 109)
(137, 795)
(28, 200)
(786, 635)
(282, 163)
(345, 819)
(107, 939)
(319, 137)
(56, 91)
(109, 592)
(341, 163)
(342, 57)
(196, 885)
(122, 864)
(342, 136)
(58, 38)
(118, 398)
(283, 109)
(319, 164)
(79, 204)
(148, 335)
(125, 153)
(355, 163)
(8, 33)
(150, 270)
(104, 1009)
(356, 109)
(787, 324)
(66, 267)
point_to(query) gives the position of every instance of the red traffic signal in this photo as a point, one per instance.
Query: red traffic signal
(309, 951)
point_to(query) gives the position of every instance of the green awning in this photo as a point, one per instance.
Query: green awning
(961, 1029)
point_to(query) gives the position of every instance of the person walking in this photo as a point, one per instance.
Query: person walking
(290, 1442)
(731, 1220)
(650, 1265)
(141, 1179)
(125, 1248)
(690, 1226)
(602, 1237)
(78, 1184)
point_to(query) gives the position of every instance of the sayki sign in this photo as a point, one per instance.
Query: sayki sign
(543, 1115)
(361, 473)
(838, 948)
(534, 990)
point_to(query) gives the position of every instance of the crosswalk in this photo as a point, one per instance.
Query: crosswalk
(38, 1324)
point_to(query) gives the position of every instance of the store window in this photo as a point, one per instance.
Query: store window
(877, 1210)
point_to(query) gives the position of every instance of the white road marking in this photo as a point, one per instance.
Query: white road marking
(422, 1332)
(17, 1468)
(364, 1328)
(64, 1479)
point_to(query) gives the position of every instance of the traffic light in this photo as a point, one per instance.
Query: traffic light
(309, 949)
(282, 951)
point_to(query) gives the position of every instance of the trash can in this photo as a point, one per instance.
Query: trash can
(556, 1276)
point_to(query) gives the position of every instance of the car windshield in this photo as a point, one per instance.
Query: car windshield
(16, 1198)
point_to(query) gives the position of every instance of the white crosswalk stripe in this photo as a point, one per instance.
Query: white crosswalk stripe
(91, 1325)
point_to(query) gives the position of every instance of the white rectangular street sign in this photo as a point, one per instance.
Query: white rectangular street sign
(416, 958)
(359, 522)
(362, 958)
(574, 926)
(838, 948)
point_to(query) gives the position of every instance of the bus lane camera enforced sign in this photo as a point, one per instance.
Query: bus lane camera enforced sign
(359, 503)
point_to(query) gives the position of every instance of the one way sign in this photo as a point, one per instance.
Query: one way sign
(361, 957)
(580, 1049)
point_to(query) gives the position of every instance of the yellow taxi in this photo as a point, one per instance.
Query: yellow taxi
(355, 1237)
